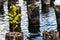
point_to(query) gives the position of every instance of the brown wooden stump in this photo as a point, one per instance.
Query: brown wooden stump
(14, 36)
(52, 35)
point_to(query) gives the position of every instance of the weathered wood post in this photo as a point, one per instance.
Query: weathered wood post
(57, 11)
(1, 7)
(14, 36)
(33, 16)
(52, 35)
(45, 6)
(14, 22)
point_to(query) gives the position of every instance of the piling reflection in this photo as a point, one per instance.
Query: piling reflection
(35, 37)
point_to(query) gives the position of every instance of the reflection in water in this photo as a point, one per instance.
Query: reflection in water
(35, 37)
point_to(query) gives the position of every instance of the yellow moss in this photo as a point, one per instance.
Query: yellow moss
(14, 21)
(17, 16)
(11, 22)
(16, 26)
(10, 18)
(9, 14)
(14, 8)
(14, 13)
(14, 16)
(17, 22)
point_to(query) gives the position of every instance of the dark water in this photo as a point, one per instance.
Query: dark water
(35, 37)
